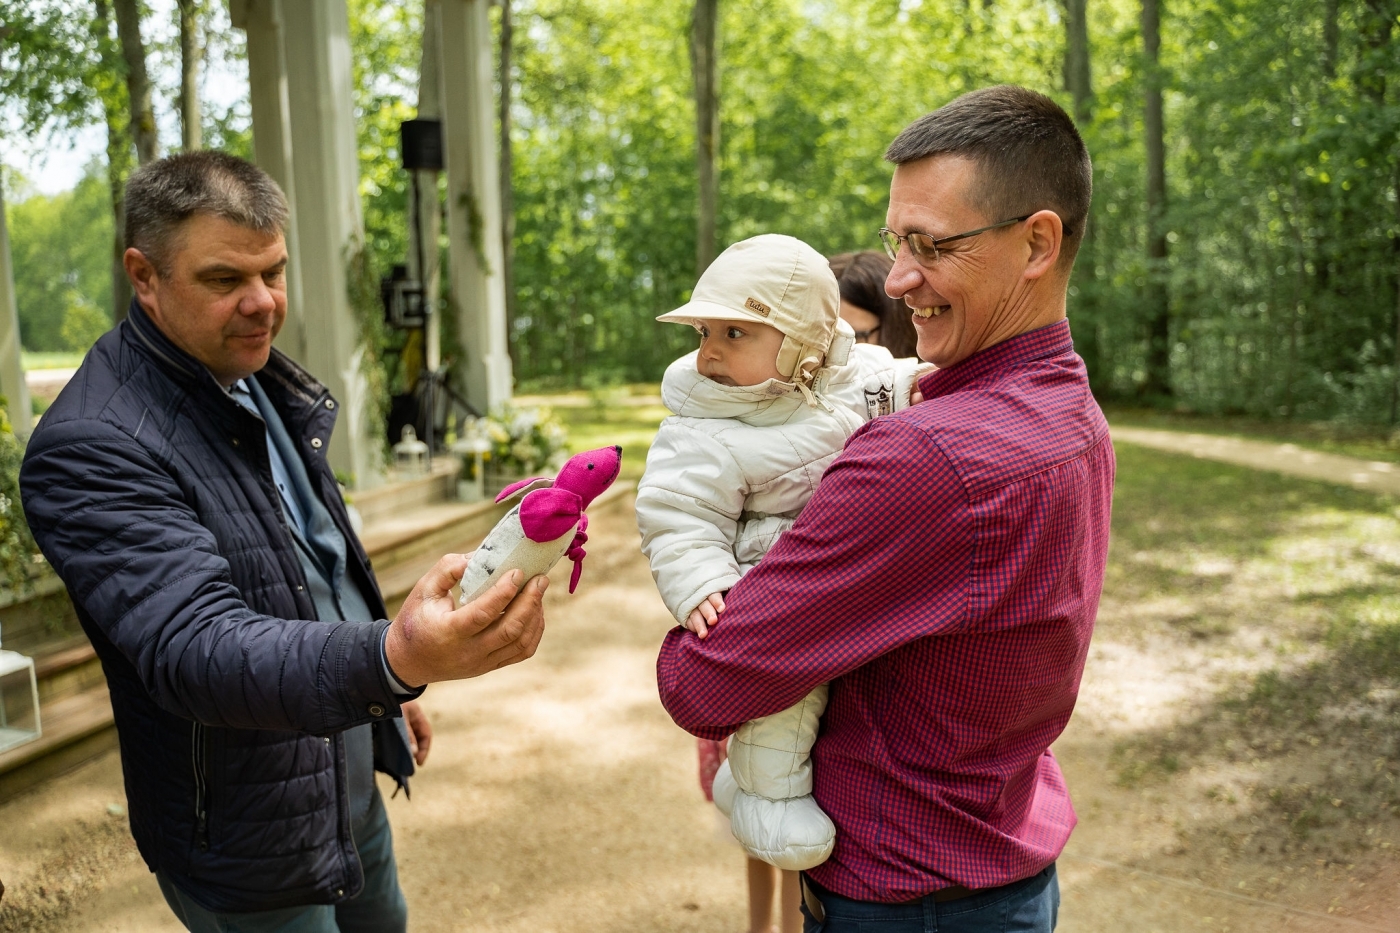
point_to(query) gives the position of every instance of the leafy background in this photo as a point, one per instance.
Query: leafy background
(1282, 170)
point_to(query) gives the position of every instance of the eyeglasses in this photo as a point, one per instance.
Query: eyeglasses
(925, 247)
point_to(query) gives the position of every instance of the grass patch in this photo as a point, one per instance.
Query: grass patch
(68, 359)
(1368, 442)
(1286, 590)
(626, 415)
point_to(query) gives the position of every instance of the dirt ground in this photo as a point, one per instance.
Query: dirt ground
(559, 796)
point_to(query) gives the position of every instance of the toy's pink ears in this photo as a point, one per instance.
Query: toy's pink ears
(550, 513)
(524, 485)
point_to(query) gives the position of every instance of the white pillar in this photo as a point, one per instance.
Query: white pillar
(474, 200)
(429, 206)
(330, 229)
(272, 141)
(11, 371)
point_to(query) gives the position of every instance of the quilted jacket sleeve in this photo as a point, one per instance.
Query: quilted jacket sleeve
(114, 525)
(688, 507)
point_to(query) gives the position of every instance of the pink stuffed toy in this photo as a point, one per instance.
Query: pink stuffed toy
(547, 524)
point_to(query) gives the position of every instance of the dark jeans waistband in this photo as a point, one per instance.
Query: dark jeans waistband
(971, 897)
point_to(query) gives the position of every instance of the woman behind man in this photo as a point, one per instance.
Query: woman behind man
(874, 316)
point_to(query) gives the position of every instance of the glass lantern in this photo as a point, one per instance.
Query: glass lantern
(411, 454)
(472, 449)
(19, 700)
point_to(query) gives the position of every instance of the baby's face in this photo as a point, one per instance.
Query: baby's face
(738, 353)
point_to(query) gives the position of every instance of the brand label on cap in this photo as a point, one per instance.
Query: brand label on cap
(753, 304)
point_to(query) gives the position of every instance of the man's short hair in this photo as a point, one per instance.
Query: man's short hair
(1029, 155)
(162, 195)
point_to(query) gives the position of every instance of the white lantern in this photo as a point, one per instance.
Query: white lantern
(411, 454)
(19, 700)
(473, 446)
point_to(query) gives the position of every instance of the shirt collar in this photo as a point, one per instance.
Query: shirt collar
(1042, 343)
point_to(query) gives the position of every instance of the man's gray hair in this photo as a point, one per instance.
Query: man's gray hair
(163, 195)
(1029, 155)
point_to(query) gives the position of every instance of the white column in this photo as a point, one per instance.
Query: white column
(272, 141)
(429, 206)
(11, 371)
(330, 229)
(474, 200)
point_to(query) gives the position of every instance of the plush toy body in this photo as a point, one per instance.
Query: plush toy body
(546, 525)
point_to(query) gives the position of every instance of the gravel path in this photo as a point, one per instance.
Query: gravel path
(559, 797)
(1289, 459)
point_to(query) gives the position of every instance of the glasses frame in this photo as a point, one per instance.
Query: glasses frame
(919, 253)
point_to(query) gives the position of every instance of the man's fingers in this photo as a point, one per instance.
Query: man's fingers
(481, 612)
(516, 633)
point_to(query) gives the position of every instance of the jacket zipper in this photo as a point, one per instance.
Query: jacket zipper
(201, 814)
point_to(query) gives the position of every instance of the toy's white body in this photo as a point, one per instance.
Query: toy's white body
(507, 548)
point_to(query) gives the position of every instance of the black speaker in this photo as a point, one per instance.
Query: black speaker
(421, 143)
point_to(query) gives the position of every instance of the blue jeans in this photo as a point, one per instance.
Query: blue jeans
(379, 908)
(1028, 906)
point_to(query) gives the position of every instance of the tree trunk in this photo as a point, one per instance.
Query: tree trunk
(507, 168)
(138, 85)
(118, 153)
(1330, 38)
(1084, 313)
(1077, 58)
(1157, 300)
(191, 58)
(704, 66)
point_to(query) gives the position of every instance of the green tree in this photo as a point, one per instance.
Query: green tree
(59, 247)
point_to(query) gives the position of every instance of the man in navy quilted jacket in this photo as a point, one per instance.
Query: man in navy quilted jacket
(179, 486)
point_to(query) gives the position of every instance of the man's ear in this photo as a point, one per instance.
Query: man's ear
(142, 273)
(1045, 233)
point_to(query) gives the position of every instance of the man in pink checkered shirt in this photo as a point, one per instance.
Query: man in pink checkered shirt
(946, 574)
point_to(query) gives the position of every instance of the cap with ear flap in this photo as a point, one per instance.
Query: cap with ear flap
(779, 281)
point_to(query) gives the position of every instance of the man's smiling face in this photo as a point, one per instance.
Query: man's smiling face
(965, 300)
(223, 296)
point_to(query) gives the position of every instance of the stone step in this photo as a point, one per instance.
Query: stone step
(407, 493)
(75, 729)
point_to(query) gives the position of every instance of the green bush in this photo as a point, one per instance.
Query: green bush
(19, 555)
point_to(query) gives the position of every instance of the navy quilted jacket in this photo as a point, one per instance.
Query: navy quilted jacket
(149, 490)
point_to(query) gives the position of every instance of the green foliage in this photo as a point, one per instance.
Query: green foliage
(61, 250)
(387, 42)
(1281, 174)
(362, 284)
(18, 552)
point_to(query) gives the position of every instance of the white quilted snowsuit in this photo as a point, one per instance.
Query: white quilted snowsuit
(727, 474)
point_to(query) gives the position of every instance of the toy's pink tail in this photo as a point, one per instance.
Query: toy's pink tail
(576, 553)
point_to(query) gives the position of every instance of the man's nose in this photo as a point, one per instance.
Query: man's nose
(257, 299)
(905, 275)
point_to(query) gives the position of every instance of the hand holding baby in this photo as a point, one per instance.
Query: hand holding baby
(705, 615)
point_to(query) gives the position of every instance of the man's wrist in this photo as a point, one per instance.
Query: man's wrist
(391, 650)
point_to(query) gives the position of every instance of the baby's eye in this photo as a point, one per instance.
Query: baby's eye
(702, 330)
(733, 333)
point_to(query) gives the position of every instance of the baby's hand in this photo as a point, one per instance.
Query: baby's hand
(705, 615)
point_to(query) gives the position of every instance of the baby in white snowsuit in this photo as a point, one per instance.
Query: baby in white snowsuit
(761, 410)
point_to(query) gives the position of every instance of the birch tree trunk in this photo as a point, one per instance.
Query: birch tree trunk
(191, 59)
(1156, 297)
(704, 66)
(138, 84)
